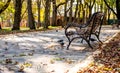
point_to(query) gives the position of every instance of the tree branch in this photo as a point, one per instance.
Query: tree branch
(68, 9)
(23, 13)
(43, 3)
(23, 1)
(93, 4)
(5, 6)
(60, 4)
(110, 8)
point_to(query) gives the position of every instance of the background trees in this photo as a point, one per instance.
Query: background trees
(115, 9)
(27, 13)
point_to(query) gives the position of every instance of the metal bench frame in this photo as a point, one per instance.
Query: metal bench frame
(84, 31)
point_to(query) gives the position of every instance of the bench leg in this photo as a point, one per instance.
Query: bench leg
(68, 45)
(98, 38)
(89, 44)
(82, 41)
(70, 41)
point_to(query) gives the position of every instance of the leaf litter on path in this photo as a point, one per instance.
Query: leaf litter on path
(108, 61)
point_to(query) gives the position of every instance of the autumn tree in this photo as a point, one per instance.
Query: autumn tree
(117, 11)
(4, 8)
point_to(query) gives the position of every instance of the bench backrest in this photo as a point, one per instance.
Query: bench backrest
(95, 22)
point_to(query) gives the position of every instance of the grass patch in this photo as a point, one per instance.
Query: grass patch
(53, 27)
(8, 30)
(24, 28)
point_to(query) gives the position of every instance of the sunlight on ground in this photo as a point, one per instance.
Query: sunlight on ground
(44, 53)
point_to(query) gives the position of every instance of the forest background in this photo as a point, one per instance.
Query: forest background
(34, 14)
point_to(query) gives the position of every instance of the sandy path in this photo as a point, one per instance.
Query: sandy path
(40, 52)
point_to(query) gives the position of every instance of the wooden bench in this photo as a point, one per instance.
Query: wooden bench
(84, 31)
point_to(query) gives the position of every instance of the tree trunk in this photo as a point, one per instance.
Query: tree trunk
(47, 14)
(92, 2)
(71, 11)
(118, 11)
(0, 26)
(80, 7)
(65, 14)
(76, 10)
(109, 12)
(54, 14)
(31, 21)
(38, 5)
(17, 15)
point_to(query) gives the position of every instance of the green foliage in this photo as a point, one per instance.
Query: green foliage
(8, 13)
(1, 4)
(111, 2)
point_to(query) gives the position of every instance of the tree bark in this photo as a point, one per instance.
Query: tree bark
(118, 11)
(71, 11)
(76, 10)
(81, 6)
(47, 14)
(0, 26)
(17, 15)
(65, 14)
(54, 14)
(31, 21)
(90, 6)
(109, 12)
(38, 5)
(118, 8)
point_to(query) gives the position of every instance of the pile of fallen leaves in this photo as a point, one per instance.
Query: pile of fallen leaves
(108, 61)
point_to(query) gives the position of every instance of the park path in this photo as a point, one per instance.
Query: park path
(40, 52)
